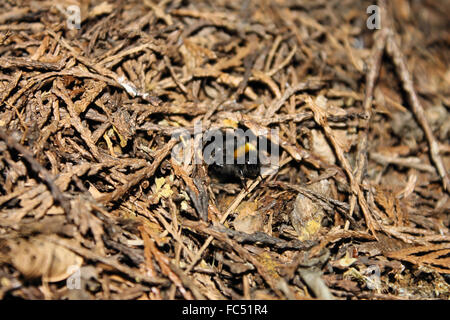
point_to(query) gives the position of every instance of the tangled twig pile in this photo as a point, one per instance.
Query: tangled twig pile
(358, 207)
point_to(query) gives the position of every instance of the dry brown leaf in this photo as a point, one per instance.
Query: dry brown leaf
(102, 8)
(307, 215)
(37, 257)
(248, 220)
(386, 200)
(321, 147)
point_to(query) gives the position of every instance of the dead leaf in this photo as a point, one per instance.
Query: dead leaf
(307, 215)
(102, 8)
(248, 220)
(37, 257)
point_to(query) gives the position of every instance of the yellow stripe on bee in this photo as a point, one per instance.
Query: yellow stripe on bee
(244, 149)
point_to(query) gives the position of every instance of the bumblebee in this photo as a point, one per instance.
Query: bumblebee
(232, 154)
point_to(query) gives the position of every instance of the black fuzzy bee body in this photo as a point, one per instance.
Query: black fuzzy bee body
(246, 170)
(232, 154)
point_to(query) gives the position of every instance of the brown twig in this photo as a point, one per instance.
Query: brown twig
(38, 168)
(91, 255)
(398, 58)
(320, 118)
(243, 253)
(364, 123)
(144, 173)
